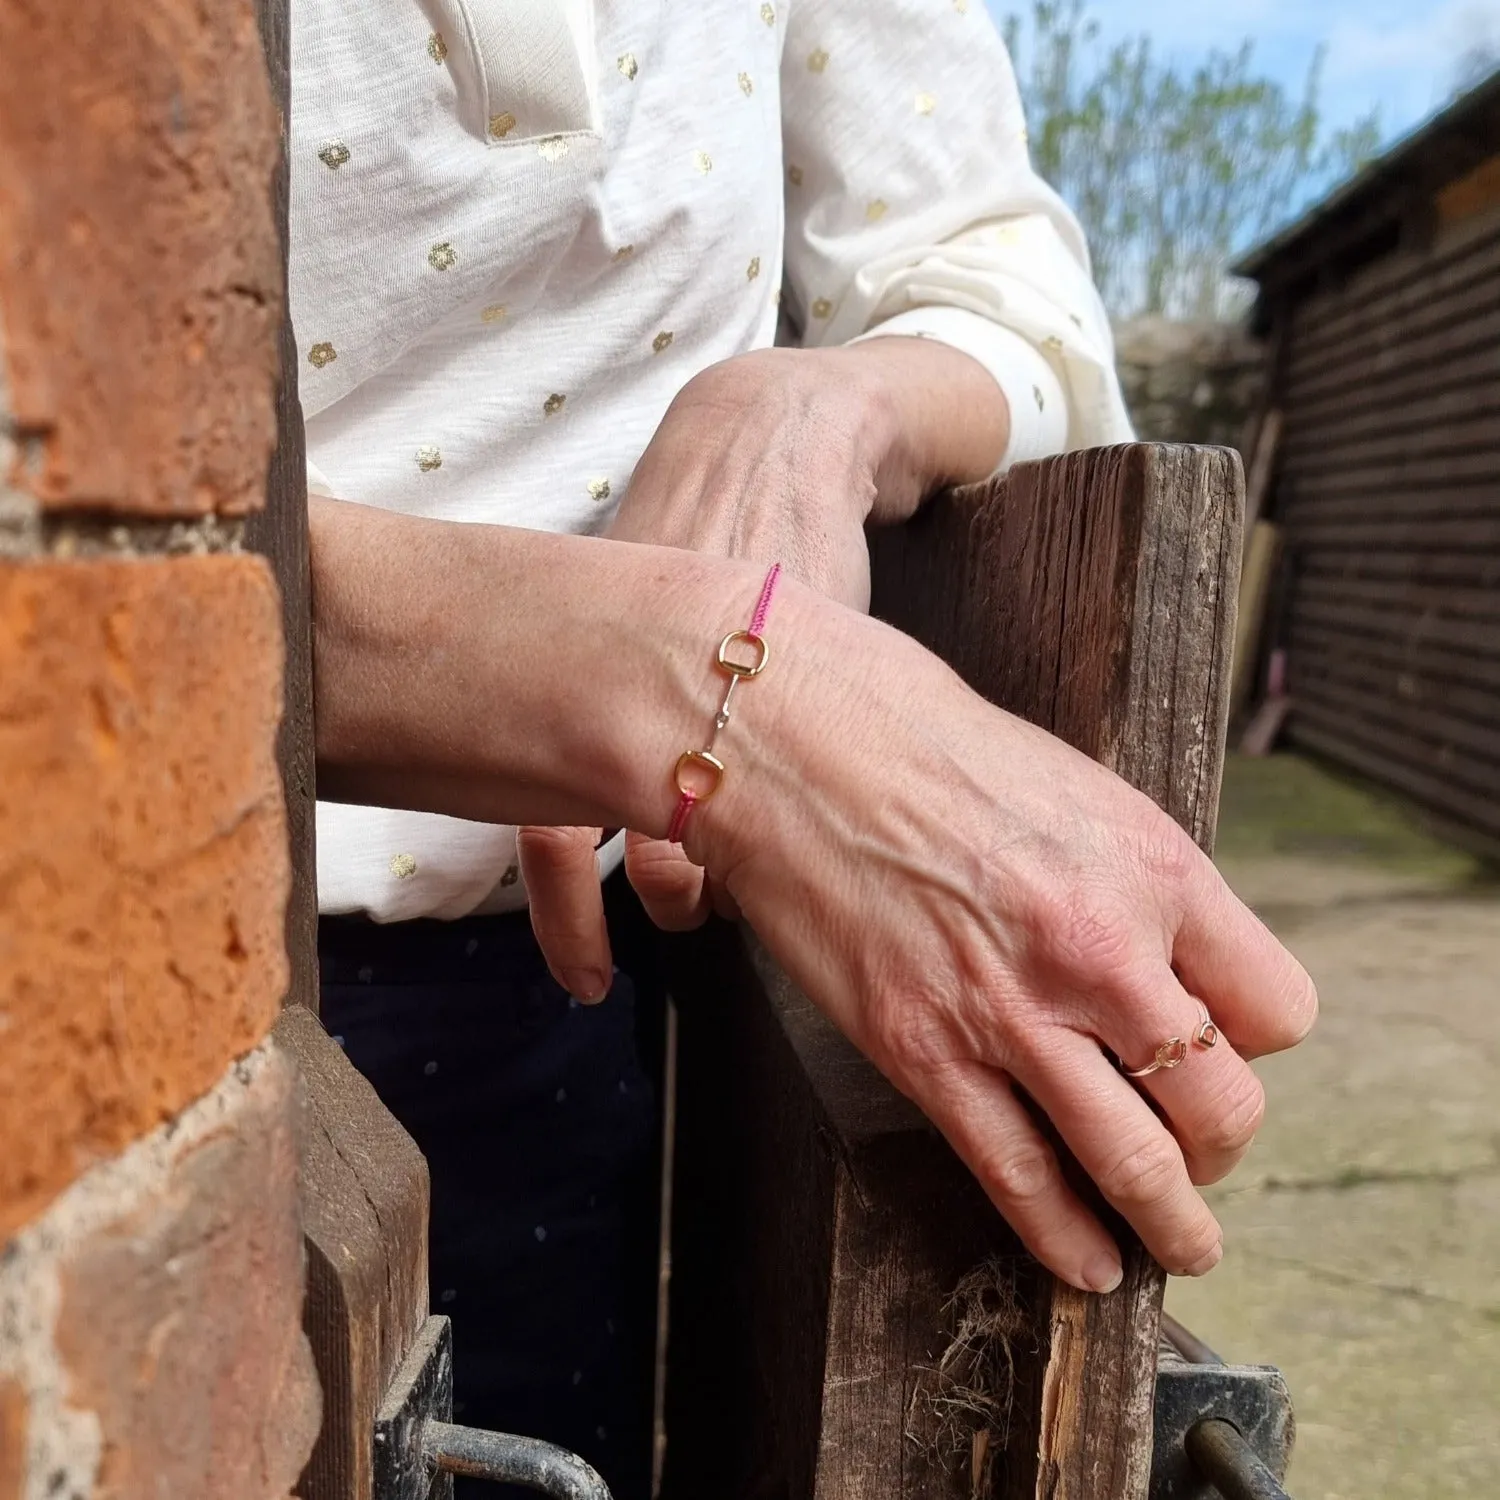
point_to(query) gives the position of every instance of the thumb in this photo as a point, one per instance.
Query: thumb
(670, 885)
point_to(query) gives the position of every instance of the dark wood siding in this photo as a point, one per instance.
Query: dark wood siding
(1389, 495)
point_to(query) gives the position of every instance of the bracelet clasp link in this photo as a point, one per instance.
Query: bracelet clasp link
(705, 761)
(738, 668)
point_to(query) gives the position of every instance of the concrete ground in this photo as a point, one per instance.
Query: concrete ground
(1363, 1231)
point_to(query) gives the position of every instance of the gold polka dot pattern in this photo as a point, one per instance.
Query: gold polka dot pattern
(662, 341)
(429, 458)
(501, 125)
(553, 404)
(321, 354)
(442, 256)
(437, 48)
(334, 155)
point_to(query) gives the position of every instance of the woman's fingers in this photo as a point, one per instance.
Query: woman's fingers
(1211, 1098)
(1126, 1149)
(1261, 996)
(670, 885)
(977, 1110)
(561, 870)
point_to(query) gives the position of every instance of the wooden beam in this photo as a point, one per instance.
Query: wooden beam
(280, 533)
(364, 1208)
(363, 1181)
(835, 1268)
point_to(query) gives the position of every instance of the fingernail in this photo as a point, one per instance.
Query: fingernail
(1104, 1272)
(1209, 1261)
(586, 985)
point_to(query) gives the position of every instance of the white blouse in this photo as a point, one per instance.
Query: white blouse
(519, 227)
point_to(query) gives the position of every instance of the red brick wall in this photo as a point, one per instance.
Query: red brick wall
(151, 1274)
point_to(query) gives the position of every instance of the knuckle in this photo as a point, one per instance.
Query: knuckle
(912, 1033)
(557, 847)
(1021, 1177)
(1169, 856)
(1093, 943)
(1143, 1173)
(660, 868)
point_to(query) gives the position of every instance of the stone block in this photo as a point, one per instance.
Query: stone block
(143, 862)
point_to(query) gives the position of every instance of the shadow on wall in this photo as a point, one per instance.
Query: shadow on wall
(1189, 382)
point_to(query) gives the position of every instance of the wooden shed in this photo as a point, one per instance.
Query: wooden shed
(1382, 311)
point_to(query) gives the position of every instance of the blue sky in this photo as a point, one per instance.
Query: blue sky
(1399, 54)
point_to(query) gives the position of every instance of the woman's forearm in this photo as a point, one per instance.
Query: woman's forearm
(506, 675)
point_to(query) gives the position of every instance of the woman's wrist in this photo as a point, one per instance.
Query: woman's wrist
(512, 676)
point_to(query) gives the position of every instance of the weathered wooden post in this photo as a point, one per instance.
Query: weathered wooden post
(829, 1249)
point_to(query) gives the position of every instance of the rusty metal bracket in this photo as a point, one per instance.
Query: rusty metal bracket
(1222, 1432)
(418, 1448)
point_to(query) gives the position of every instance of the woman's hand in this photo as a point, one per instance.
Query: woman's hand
(983, 910)
(778, 456)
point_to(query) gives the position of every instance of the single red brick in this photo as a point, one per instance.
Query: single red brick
(181, 1320)
(143, 862)
(12, 1439)
(140, 277)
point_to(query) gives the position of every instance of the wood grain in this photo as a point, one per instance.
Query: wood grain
(364, 1204)
(280, 533)
(822, 1225)
(1378, 504)
(1417, 365)
(1397, 284)
(1431, 669)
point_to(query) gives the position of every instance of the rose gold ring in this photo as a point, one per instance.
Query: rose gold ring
(1173, 1052)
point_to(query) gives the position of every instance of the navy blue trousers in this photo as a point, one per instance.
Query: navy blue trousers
(538, 1123)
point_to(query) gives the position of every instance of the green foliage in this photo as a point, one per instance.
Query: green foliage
(1170, 170)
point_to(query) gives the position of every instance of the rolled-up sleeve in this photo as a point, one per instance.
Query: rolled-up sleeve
(913, 209)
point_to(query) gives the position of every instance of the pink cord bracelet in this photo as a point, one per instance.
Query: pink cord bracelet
(700, 773)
